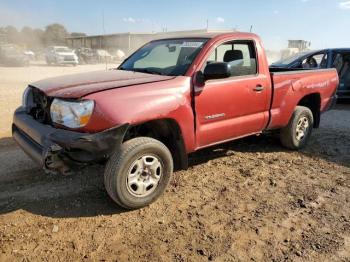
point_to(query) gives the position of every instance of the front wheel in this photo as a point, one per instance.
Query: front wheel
(138, 172)
(297, 133)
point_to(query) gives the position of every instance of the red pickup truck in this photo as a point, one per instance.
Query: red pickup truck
(168, 99)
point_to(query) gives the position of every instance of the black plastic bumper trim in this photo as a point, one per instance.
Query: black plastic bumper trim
(32, 149)
(36, 139)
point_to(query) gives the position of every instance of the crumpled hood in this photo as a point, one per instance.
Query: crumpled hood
(79, 85)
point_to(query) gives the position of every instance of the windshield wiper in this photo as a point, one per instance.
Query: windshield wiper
(141, 70)
(146, 70)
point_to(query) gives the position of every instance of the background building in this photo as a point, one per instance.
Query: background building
(128, 42)
(300, 44)
(294, 47)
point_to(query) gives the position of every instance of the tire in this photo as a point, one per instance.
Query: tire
(297, 133)
(129, 164)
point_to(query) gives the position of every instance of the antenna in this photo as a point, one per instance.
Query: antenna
(207, 24)
(104, 32)
(251, 29)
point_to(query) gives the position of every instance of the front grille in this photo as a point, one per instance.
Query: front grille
(68, 58)
(40, 106)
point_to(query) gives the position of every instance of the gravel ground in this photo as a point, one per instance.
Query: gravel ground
(246, 200)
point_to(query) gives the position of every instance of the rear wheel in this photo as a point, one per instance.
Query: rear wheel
(297, 133)
(138, 173)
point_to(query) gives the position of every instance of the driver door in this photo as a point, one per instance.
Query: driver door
(235, 106)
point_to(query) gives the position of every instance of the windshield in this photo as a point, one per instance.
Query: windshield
(63, 49)
(290, 59)
(164, 57)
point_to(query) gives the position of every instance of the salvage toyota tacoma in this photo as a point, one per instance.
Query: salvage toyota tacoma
(168, 99)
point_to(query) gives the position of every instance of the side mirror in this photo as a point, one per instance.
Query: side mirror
(199, 79)
(217, 70)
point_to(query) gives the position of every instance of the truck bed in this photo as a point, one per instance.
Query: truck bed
(290, 86)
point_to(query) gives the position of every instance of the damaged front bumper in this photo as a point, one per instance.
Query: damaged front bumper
(59, 150)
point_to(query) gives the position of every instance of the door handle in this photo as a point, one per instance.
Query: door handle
(259, 88)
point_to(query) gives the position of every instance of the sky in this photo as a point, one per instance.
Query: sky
(323, 22)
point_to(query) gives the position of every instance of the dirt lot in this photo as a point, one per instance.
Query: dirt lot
(246, 200)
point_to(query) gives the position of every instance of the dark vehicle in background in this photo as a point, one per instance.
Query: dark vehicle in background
(320, 59)
(86, 56)
(94, 56)
(11, 55)
(103, 56)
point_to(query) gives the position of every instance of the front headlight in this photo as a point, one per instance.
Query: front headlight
(72, 114)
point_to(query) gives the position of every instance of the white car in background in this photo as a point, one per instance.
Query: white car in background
(61, 55)
(29, 54)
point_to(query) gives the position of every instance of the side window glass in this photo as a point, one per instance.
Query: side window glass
(219, 53)
(338, 62)
(324, 61)
(240, 55)
(315, 61)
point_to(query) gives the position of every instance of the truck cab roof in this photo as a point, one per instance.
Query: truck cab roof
(213, 35)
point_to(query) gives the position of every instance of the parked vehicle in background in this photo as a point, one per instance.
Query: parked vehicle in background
(118, 55)
(103, 55)
(168, 99)
(338, 58)
(86, 56)
(61, 55)
(30, 54)
(11, 55)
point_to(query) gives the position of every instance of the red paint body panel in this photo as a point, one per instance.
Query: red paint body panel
(290, 88)
(138, 104)
(245, 111)
(222, 110)
(230, 102)
(79, 85)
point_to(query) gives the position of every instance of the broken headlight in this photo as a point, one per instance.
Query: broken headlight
(72, 114)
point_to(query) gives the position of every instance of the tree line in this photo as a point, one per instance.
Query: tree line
(35, 38)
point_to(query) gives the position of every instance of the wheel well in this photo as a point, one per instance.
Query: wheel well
(166, 131)
(313, 102)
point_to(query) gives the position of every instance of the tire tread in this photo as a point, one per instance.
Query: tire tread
(115, 162)
(286, 133)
